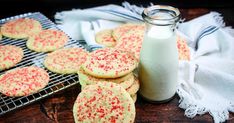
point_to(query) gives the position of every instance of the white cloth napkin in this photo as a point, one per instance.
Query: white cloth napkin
(206, 83)
(83, 24)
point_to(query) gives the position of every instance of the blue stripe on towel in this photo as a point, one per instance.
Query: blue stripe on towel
(207, 31)
(120, 14)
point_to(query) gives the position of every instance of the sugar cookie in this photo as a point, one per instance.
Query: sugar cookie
(47, 40)
(21, 28)
(105, 38)
(124, 81)
(134, 87)
(23, 81)
(104, 103)
(118, 32)
(10, 55)
(183, 49)
(66, 60)
(131, 42)
(109, 63)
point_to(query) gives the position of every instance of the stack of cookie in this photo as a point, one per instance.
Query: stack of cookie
(110, 65)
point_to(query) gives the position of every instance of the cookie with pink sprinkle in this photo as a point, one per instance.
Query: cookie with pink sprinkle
(109, 63)
(125, 81)
(10, 55)
(104, 103)
(21, 28)
(105, 38)
(23, 81)
(47, 40)
(65, 60)
(118, 32)
(131, 41)
(183, 49)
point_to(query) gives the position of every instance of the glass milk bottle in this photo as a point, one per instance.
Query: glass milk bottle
(158, 65)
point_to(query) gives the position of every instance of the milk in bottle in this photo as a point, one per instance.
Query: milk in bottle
(158, 65)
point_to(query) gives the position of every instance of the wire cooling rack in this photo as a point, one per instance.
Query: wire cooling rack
(57, 82)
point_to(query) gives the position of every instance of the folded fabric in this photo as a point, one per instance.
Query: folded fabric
(77, 22)
(206, 83)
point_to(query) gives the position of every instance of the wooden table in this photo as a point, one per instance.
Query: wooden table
(58, 107)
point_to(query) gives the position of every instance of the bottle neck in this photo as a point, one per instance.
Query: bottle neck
(159, 32)
(161, 15)
(160, 21)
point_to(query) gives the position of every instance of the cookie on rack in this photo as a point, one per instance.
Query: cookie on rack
(47, 40)
(23, 81)
(105, 38)
(109, 63)
(125, 81)
(104, 103)
(10, 55)
(65, 60)
(21, 28)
